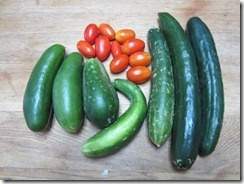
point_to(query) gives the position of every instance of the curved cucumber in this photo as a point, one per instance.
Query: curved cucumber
(67, 93)
(211, 85)
(119, 133)
(37, 104)
(101, 102)
(187, 126)
(161, 100)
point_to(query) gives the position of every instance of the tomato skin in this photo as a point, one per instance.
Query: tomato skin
(107, 30)
(124, 34)
(140, 59)
(133, 45)
(85, 49)
(119, 63)
(91, 33)
(138, 74)
(116, 49)
(102, 48)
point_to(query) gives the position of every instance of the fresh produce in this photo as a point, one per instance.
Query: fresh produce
(140, 59)
(101, 103)
(119, 63)
(138, 74)
(102, 48)
(211, 85)
(124, 34)
(133, 45)
(162, 94)
(91, 33)
(116, 48)
(67, 93)
(37, 103)
(118, 134)
(107, 30)
(86, 49)
(187, 125)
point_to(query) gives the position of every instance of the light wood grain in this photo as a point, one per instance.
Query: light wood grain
(28, 27)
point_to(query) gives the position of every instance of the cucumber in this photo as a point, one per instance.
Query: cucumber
(101, 102)
(187, 125)
(118, 134)
(211, 84)
(161, 100)
(37, 103)
(67, 93)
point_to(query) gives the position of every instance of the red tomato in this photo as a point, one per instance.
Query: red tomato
(119, 63)
(85, 48)
(91, 33)
(124, 34)
(116, 49)
(138, 74)
(107, 30)
(140, 59)
(102, 48)
(133, 45)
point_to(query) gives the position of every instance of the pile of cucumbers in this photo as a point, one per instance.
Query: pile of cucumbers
(186, 97)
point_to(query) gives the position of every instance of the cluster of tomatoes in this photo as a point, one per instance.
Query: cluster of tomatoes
(126, 49)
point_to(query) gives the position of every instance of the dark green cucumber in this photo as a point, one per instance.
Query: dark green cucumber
(161, 100)
(37, 104)
(101, 102)
(67, 93)
(211, 84)
(118, 134)
(187, 126)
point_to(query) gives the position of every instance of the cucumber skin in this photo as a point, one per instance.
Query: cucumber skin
(37, 103)
(187, 124)
(211, 84)
(67, 93)
(118, 134)
(161, 100)
(100, 99)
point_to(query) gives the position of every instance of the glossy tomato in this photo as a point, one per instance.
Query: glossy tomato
(140, 59)
(138, 74)
(91, 33)
(119, 63)
(102, 48)
(107, 30)
(124, 34)
(86, 49)
(133, 45)
(116, 49)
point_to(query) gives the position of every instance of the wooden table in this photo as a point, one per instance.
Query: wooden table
(28, 27)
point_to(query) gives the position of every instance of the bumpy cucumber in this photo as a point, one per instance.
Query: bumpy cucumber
(187, 126)
(115, 136)
(67, 93)
(37, 104)
(101, 102)
(211, 84)
(161, 100)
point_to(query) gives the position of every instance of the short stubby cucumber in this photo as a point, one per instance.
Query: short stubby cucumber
(211, 84)
(118, 134)
(101, 102)
(161, 100)
(37, 103)
(67, 93)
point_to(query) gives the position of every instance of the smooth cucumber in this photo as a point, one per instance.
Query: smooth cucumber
(211, 84)
(187, 125)
(118, 134)
(101, 102)
(67, 93)
(161, 100)
(37, 103)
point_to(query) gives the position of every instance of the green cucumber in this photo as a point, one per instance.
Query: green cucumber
(161, 100)
(37, 103)
(101, 102)
(187, 126)
(211, 84)
(118, 134)
(67, 93)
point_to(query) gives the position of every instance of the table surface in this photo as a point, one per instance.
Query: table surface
(28, 27)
